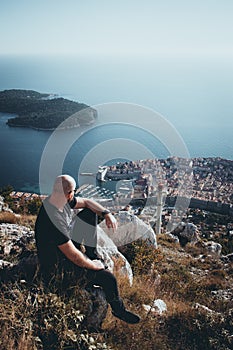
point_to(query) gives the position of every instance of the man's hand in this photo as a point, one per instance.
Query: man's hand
(111, 221)
(78, 258)
(97, 208)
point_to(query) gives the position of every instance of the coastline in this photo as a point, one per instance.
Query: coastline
(47, 129)
(50, 129)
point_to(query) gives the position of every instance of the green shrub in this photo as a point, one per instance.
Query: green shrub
(142, 256)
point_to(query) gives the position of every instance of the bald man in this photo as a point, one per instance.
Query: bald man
(59, 236)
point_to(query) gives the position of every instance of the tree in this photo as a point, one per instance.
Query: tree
(6, 191)
(34, 205)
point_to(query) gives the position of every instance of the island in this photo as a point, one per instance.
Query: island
(43, 111)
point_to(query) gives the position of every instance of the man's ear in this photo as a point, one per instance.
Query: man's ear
(67, 196)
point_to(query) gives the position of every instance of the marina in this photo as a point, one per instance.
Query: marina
(204, 182)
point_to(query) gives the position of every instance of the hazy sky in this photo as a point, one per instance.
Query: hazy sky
(118, 27)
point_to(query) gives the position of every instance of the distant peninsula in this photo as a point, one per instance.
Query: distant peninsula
(43, 111)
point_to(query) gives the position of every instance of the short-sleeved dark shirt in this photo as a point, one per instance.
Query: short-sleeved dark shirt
(52, 229)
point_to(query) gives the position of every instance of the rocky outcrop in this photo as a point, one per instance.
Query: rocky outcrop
(185, 232)
(212, 248)
(14, 239)
(188, 233)
(130, 228)
(4, 206)
(158, 307)
(113, 259)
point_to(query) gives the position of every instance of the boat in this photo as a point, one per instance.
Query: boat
(87, 174)
(102, 171)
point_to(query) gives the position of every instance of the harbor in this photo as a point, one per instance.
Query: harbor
(204, 183)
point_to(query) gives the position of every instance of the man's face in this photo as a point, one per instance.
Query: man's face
(70, 195)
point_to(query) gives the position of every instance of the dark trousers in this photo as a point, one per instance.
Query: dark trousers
(85, 233)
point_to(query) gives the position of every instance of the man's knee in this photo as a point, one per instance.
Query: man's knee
(84, 228)
(88, 216)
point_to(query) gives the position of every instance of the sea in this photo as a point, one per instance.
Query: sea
(147, 107)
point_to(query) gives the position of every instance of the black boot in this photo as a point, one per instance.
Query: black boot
(119, 311)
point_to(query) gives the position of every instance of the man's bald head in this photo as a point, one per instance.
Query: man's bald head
(64, 184)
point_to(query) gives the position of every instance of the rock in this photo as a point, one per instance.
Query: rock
(4, 206)
(130, 228)
(186, 232)
(158, 307)
(227, 258)
(206, 310)
(111, 256)
(5, 264)
(210, 247)
(174, 239)
(213, 248)
(14, 238)
(226, 295)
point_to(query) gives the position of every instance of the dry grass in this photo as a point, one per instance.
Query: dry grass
(31, 318)
(182, 327)
(7, 217)
(24, 220)
(27, 220)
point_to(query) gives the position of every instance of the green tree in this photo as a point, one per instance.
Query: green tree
(6, 191)
(34, 205)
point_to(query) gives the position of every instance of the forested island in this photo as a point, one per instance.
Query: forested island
(44, 111)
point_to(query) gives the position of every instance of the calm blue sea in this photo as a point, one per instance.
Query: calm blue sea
(194, 95)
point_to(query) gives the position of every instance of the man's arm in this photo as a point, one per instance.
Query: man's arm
(98, 209)
(78, 258)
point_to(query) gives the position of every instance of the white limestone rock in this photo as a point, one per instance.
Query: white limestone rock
(4, 206)
(109, 253)
(213, 248)
(130, 228)
(158, 307)
(187, 231)
(5, 264)
(13, 238)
